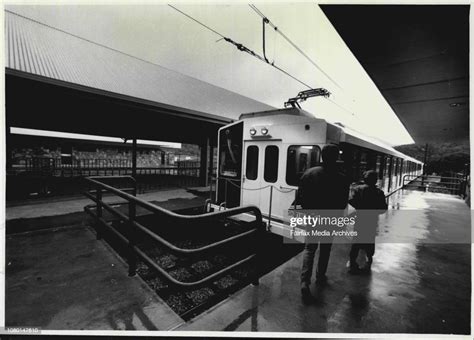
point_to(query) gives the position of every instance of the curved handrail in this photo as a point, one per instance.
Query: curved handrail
(156, 209)
(133, 201)
(113, 177)
(163, 272)
(163, 241)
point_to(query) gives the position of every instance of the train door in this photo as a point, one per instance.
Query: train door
(390, 163)
(299, 158)
(380, 166)
(386, 173)
(395, 173)
(229, 179)
(400, 178)
(261, 172)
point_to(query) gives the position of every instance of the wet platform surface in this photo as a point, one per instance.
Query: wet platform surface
(418, 284)
(58, 212)
(63, 205)
(66, 279)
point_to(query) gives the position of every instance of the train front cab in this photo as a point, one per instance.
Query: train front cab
(262, 157)
(275, 151)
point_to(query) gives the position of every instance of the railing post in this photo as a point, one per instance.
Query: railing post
(132, 257)
(269, 226)
(98, 228)
(257, 248)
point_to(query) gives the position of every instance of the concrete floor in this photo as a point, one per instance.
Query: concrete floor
(66, 279)
(57, 212)
(61, 206)
(418, 284)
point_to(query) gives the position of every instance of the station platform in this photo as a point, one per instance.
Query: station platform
(56, 212)
(55, 263)
(417, 286)
(422, 286)
(67, 280)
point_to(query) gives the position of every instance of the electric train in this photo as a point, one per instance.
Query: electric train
(262, 156)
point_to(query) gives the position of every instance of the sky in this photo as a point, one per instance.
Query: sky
(159, 34)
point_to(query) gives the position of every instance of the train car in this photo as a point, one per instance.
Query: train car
(262, 156)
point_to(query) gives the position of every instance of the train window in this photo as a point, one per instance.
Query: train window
(363, 163)
(300, 158)
(400, 171)
(380, 165)
(270, 173)
(388, 164)
(251, 170)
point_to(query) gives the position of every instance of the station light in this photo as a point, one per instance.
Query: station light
(264, 131)
(253, 132)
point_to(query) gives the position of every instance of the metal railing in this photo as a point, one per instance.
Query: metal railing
(439, 184)
(99, 168)
(135, 227)
(240, 187)
(402, 186)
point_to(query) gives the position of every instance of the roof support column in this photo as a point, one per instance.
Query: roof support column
(204, 164)
(425, 159)
(134, 161)
(8, 149)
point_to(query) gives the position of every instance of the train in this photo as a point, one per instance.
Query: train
(262, 156)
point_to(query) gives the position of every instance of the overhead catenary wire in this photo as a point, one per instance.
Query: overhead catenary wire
(264, 22)
(241, 47)
(269, 22)
(340, 106)
(197, 21)
(292, 44)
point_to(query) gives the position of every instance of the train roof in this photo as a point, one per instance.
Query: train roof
(358, 138)
(348, 135)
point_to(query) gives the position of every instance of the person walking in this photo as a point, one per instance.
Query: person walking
(325, 189)
(369, 202)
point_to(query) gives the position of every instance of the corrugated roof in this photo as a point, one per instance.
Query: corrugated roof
(39, 49)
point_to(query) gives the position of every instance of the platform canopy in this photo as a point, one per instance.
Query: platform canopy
(418, 56)
(60, 82)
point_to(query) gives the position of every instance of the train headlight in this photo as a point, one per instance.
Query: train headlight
(264, 131)
(253, 132)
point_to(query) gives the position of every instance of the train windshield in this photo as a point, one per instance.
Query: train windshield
(230, 151)
(300, 158)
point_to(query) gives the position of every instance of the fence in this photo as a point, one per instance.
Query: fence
(447, 185)
(45, 176)
(50, 166)
(172, 219)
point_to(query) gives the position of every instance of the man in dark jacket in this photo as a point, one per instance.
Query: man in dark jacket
(369, 202)
(321, 188)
